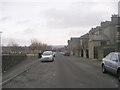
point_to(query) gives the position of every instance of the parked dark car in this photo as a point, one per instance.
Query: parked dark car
(112, 63)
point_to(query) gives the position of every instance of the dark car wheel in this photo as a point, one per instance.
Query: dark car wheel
(119, 75)
(103, 69)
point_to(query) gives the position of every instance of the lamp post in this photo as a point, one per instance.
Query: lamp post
(0, 37)
(0, 62)
(0, 44)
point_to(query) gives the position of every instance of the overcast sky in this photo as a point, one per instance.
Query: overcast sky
(51, 21)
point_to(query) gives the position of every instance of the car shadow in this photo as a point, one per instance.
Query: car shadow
(111, 74)
(46, 61)
(114, 76)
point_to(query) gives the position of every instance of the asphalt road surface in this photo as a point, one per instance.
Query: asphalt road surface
(64, 72)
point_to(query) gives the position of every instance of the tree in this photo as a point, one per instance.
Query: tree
(38, 46)
(13, 47)
(12, 44)
(35, 44)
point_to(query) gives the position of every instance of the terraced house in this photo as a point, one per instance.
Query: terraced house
(99, 41)
(105, 38)
(74, 45)
(102, 39)
(84, 46)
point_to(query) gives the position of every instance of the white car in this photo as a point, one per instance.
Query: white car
(48, 56)
(112, 63)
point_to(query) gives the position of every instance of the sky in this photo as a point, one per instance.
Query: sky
(51, 21)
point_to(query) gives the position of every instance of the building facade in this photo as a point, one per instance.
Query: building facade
(99, 41)
(84, 46)
(102, 39)
(118, 30)
(73, 45)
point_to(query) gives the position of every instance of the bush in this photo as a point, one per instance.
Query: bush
(11, 60)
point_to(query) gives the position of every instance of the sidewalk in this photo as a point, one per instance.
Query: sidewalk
(18, 69)
(92, 61)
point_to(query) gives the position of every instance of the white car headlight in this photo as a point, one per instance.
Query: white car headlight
(51, 57)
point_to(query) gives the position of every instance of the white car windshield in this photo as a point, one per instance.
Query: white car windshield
(47, 53)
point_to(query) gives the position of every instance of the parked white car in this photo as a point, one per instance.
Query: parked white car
(112, 63)
(48, 56)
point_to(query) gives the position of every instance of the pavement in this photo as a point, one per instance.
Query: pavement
(28, 63)
(18, 69)
(91, 61)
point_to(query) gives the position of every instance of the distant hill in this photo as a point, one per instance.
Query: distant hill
(57, 46)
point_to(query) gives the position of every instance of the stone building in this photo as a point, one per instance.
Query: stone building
(118, 30)
(99, 41)
(102, 39)
(84, 46)
(73, 45)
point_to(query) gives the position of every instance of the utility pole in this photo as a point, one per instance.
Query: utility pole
(0, 44)
(0, 61)
(0, 38)
(118, 39)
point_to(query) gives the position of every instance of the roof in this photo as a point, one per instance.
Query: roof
(85, 36)
(93, 30)
(100, 38)
(75, 38)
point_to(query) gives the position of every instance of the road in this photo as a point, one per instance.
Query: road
(64, 72)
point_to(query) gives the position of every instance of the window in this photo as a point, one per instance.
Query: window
(108, 57)
(114, 57)
(47, 53)
(119, 57)
(103, 43)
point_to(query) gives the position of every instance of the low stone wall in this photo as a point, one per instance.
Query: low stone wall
(11, 60)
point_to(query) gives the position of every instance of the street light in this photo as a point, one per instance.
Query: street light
(0, 35)
(0, 42)
(0, 62)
